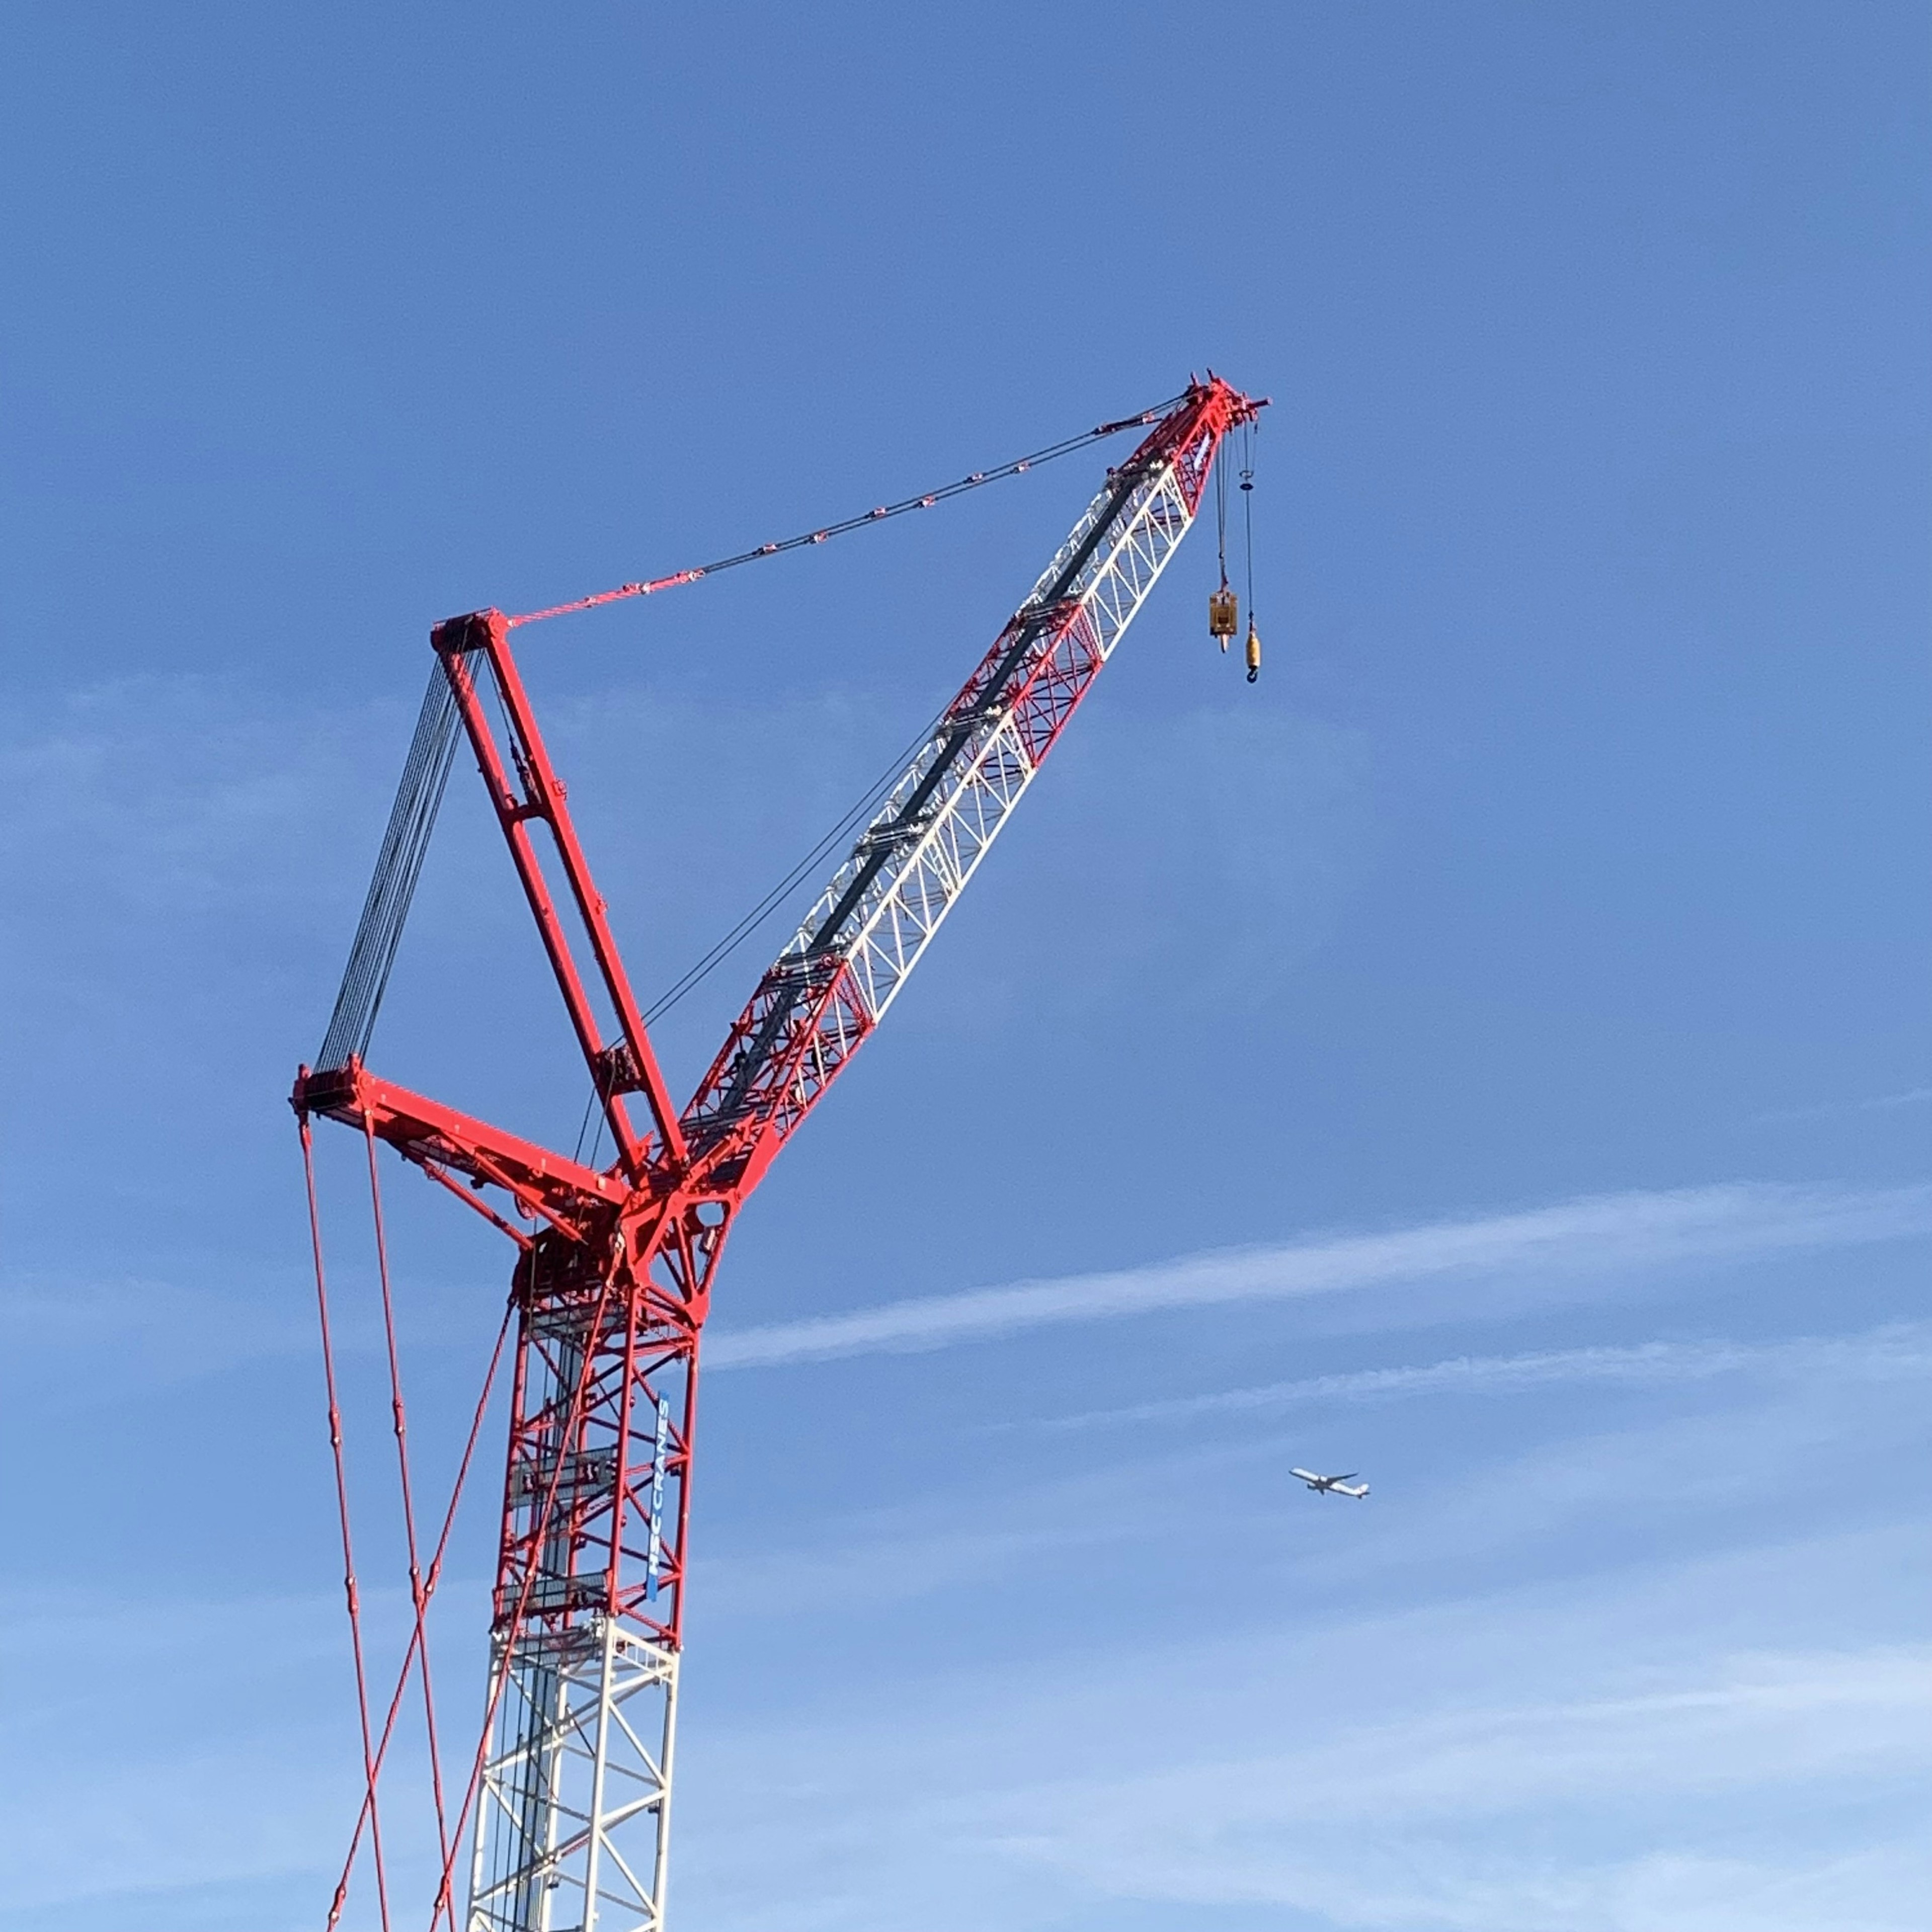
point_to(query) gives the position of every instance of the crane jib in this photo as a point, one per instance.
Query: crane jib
(787, 986)
(1033, 618)
(955, 735)
(848, 958)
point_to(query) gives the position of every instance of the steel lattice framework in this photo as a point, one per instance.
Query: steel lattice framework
(612, 1288)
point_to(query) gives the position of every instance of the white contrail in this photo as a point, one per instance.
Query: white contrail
(1911, 1096)
(1600, 1231)
(1904, 1350)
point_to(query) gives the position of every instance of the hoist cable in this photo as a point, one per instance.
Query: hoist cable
(1221, 519)
(1248, 511)
(419, 1597)
(764, 908)
(884, 512)
(584, 1127)
(369, 1769)
(770, 903)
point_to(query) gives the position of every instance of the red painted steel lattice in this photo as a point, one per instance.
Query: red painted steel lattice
(614, 1276)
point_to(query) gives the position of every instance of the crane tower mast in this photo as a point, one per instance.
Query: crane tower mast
(572, 1783)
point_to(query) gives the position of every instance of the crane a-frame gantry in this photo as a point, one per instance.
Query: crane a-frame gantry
(572, 1783)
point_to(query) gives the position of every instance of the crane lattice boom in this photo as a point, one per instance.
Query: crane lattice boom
(572, 1785)
(847, 962)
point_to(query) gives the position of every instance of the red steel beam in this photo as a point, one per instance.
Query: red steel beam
(541, 795)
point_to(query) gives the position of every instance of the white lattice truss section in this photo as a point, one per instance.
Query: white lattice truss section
(572, 1835)
(931, 856)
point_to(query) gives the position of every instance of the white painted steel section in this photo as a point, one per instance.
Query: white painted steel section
(573, 1827)
(892, 925)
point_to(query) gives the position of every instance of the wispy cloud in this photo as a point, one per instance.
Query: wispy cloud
(1878, 1103)
(1742, 1731)
(1902, 1350)
(1764, 1421)
(1910, 1097)
(136, 1329)
(1604, 1761)
(176, 795)
(1605, 1231)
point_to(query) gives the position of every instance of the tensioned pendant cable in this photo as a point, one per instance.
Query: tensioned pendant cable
(418, 797)
(924, 501)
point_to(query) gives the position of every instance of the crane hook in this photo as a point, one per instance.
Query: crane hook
(1254, 652)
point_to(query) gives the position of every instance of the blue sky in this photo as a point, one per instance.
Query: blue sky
(1491, 1053)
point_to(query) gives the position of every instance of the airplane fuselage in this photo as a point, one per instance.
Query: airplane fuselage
(1331, 1486)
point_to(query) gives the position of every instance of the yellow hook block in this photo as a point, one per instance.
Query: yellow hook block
(1224, 617)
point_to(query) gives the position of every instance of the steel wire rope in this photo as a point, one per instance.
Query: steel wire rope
(884, 513)
(369, 1768)
(419, 1602)
(1221, 520)
(1248, 512)
(762, 911)
(412, 819)
(365, 978)
(425, 774)
(583, 1126)
(770, 903)
(429, 1590)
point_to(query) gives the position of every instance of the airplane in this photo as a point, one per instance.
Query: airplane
(1330, 1485)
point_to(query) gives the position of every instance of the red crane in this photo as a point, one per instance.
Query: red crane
(570, 1784)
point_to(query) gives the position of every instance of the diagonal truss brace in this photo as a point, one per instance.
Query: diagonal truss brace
(575, 1828)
